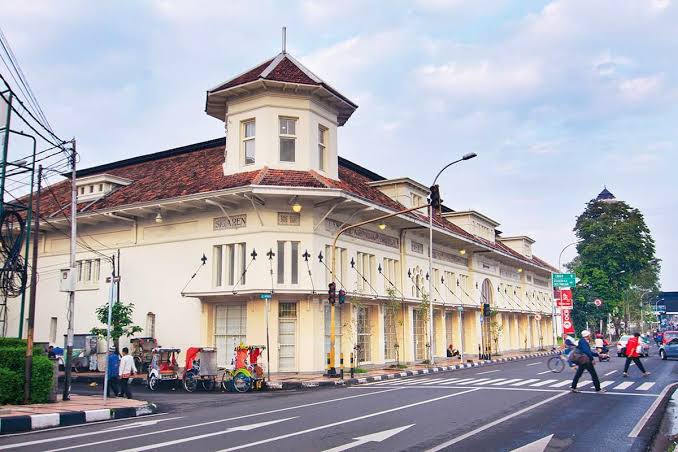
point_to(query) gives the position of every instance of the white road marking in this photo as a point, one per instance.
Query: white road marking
(464, 381)
(610, 373)
(524, 382)
(432, 381)
(645, 386)
(536, 446)
(560, 384)
(643, 420)
(624, 385)
(97, 432)
(449, 380)
(476, 381)
(605, 384)
(545, 372)
(371, 438)
(414, 381)
(512, 380)
(492, 424)
(359, 418)
(240, 428)
(494, 381)
(183, 427)
(488, 372)
(534, 364)
(543, 383)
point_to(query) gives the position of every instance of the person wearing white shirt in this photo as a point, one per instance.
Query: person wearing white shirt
(127, 369)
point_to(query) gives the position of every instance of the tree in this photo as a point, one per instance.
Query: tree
(616, 256)
(121, 322)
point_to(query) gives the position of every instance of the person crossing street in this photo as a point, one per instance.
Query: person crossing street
(633, 352)
(583, 357)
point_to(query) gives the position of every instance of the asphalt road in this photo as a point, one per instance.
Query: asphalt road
(502, 408)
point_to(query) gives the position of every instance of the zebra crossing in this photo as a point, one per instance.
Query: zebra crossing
(537, 383)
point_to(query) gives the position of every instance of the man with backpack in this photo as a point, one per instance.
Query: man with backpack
(583, 356)
(633, 351)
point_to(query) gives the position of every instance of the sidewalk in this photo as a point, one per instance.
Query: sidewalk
(289, 381)
(79, 410)
(307, 381)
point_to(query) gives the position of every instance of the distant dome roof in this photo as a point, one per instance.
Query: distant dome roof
(605, 195)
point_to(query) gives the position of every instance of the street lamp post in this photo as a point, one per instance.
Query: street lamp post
(553, 304)
(430, 254)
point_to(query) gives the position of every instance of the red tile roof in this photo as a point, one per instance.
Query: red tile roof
(198, 169)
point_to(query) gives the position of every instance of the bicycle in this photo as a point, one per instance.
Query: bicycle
(557, 363)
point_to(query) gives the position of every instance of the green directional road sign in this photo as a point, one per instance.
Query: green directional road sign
(265, 296)
(564, 280)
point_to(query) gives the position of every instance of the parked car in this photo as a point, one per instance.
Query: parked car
(669, 350)
(667, 336)
(621, 345)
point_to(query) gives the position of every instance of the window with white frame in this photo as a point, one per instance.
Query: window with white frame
(366, 266)
(288, 254)
(437, 293)
(341, 265)
(390, 332)
(288, 139)
(322, 148)
(229, 264)
(248, 132)
(450, 286)
(417, 200)
(88, 272)
(462, 283)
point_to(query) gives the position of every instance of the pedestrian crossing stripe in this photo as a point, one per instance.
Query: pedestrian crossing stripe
(514, 382)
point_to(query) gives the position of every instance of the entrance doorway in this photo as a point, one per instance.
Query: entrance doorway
(287, 337)
(364, 335)
(419, 334)
(230, 329)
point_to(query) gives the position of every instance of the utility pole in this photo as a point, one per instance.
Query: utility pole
(28, 370)
(114, 281)
(71, 294)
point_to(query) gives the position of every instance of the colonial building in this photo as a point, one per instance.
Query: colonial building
(262, 205)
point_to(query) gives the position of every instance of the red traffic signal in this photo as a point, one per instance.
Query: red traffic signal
(332, 293)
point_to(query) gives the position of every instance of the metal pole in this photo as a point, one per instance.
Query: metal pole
(268, 345)
(5, 147)
(430, 283)
(28, 370)
(71, 295)
(111, 297)
(461, 337)
(28, 231)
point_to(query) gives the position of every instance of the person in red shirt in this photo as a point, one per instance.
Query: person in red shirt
(632, 354)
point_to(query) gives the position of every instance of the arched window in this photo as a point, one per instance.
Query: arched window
(486, 292)
(150, 325)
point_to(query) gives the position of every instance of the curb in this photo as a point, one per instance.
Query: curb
(303, 385)
(19, 424)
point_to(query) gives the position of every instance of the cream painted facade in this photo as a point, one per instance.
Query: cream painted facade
(219, 307)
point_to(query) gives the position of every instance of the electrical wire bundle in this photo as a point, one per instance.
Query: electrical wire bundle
(12, 234)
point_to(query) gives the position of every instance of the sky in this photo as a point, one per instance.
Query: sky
(558, 99)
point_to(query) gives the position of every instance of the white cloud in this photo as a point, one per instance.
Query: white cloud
(640, 88)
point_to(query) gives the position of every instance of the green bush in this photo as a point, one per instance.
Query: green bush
(42, 378)
(11, 387)
(12, 359)
(12, 342)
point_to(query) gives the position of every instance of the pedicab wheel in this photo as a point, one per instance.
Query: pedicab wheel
(556, 364)
(662, 354)
(153, 383)
(208, 385)
(190, 382)
(242, 383)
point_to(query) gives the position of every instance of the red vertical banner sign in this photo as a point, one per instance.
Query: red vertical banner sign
(568, 325)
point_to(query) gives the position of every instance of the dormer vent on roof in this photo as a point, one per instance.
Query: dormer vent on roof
(97, 186)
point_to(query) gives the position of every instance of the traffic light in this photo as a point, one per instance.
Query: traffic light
(486, 309)
(332, 293)
(434, 197)
(342, 296)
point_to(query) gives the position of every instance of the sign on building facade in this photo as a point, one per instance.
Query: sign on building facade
(231, 222)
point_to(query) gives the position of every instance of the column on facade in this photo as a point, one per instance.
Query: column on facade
(310, 348)
(471, 320)
(407, 345)
(349, 332)
(207, 323)
(439, 330)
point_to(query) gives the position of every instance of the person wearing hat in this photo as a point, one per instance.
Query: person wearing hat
(584, 360)
(112, 371)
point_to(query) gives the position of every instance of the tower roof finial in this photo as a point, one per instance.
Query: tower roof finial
(284, 39)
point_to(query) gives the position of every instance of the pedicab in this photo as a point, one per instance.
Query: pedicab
(201, 365)
(163, 368)
(248, 372)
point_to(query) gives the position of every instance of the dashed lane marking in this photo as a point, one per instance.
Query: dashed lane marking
(543, 383)
(488, 372)
(524, 382)
(623, 385)
(645, 386)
